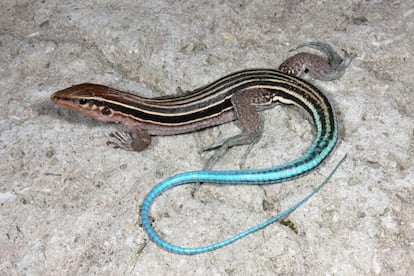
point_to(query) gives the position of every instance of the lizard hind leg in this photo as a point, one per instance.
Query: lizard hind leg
(241, 139)
(246, 104)
(223, 146)
(326, 69)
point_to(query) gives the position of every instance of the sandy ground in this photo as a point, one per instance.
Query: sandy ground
(69, 204)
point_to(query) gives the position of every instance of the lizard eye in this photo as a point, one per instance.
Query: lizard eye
(106, 111)
(82, 101)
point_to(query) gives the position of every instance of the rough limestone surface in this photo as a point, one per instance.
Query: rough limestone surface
(69, 203)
